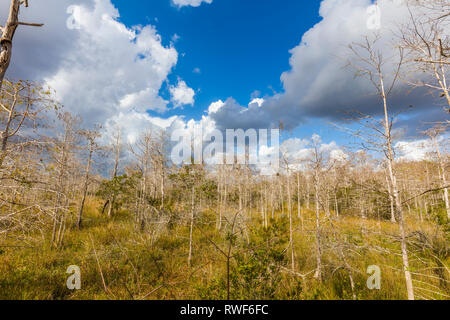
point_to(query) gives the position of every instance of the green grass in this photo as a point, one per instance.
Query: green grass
(153, 265)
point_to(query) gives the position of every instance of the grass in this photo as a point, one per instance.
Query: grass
(153, 265)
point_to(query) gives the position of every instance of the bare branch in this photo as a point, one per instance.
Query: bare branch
(30, 24)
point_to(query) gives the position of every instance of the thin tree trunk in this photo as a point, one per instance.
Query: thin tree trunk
(318, 274)
(86, 184)
(307, 194)
(299, 202)
(6, 40)
(395, 193)
(115, 172)
(291, 227)
(191, 227)
(6, 131)
(442, 174)
(391, 200)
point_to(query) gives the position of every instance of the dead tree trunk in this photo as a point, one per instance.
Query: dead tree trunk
(192, 226)
(395, 193)
(318, 274)
(299, 202)
(391, 199)
(442, 174)
(86, 184)
(114, 175)
(7, 35)
(291, 226)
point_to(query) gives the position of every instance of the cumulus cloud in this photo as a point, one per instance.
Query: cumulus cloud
(215, 106)
(181, 94)
(318, 84)
(422, 149)
(298, 152)
(413, 150)
(231, 115)
(101, 69)
(257, 101)
(192, 3)
(110, 67)
(142, 122)
(38, 52)
(110, 73)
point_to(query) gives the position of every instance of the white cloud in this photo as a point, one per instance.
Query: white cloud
(299, 152)
(181, 94)
(38, 52)
(107, 72)
(232, 115)
(416, 150)
(192, 3)
(102, 70)
(215, 106)
(141, 122)
(318, 84)
(110, 67)
(257, 101)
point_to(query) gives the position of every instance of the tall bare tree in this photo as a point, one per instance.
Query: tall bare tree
(117, 146)
(317, 165)
(368, 61)
(91, 136)
(8, 31)
(434, 136)
(62, 149)
(426, 40)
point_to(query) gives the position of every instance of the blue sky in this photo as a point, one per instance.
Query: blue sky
(239, 46)
(291, 53)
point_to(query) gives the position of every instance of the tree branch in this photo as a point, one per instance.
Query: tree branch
(30, 24)
(431, 61)
(426, 192)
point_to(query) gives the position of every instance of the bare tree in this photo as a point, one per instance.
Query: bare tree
(8, 31)
(427, 42)
(62, 149)
(434, 135)
(159, 161)
(21, 102)
(369, 62)
(317, 165)
(291, 225)
(91, 136)
(142, 152)
(117, 150)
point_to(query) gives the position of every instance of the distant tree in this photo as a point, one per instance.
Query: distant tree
(434, 134)
(91, 137)
(320, 163)
(117, 148)
(190, 178)
(287, 167)
(61, 165)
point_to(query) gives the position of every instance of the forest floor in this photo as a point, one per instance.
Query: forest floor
(117, 261)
